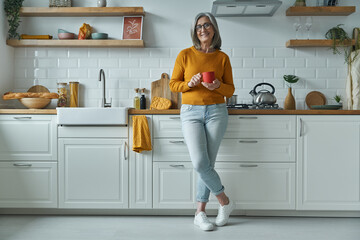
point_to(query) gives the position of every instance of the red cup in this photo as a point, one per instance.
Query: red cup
(208, 77)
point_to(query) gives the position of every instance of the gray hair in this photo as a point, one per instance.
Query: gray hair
(216, 41)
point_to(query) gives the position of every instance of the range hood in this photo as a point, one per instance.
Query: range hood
(245, 8)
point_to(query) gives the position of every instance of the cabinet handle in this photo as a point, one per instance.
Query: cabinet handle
(248, 165)
(174, 118)
(242, 141)
(301, 127)
(125, 151)
(177, 166)
(22, 118)
(22, 165)
(177, 142)
(248, 117)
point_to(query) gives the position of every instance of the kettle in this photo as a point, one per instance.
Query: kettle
(263, 96)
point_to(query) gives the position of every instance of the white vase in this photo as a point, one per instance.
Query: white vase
(101, 3)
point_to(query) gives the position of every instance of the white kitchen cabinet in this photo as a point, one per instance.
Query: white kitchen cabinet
(269, 186)
(93, 168)
(28, 137)
(27, 184)
(174, 185)
(140, 173)
(166, 126)
(328, 163)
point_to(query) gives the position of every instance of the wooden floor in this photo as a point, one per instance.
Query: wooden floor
(35, 227)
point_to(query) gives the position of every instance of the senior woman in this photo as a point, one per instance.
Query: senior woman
(204, 115)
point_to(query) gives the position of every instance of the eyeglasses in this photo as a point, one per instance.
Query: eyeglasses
(205, 25)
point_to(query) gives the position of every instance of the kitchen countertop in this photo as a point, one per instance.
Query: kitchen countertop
(177, 111)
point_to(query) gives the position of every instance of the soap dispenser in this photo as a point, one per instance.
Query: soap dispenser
(142, 99)
(137, 99)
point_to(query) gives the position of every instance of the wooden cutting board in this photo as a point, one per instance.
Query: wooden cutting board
(160, 88)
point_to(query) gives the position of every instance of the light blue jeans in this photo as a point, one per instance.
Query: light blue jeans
(203, 128)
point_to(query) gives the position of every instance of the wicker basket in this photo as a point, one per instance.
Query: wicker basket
(59, 3)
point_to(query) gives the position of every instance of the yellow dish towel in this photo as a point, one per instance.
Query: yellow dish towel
(141, 134)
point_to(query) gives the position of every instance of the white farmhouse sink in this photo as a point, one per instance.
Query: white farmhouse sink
(92, 116)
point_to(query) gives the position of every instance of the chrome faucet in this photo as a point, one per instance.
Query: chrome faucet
(103, 102)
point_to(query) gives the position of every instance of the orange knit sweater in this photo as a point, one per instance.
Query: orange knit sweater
(190, 62)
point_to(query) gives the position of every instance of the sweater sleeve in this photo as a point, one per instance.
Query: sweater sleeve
(177, 83)
(227, 85)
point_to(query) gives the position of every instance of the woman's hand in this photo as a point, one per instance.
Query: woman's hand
(195, 80)
(211, 86)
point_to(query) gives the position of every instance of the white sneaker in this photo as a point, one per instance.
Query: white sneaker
(224, 213)
(202, 221)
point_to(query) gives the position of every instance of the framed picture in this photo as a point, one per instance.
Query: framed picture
(132, 27)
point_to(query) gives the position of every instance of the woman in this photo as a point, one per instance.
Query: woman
(204, 115)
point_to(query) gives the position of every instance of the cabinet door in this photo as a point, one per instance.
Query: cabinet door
(170, 149)
(328, 163)
(140, 174)
(167, 126)
(258, 185)
(174, 185)
(28, 137)
(28, 184)
(93, 173)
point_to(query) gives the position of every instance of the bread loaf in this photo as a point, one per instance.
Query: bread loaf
(11, 95)
(160, 103)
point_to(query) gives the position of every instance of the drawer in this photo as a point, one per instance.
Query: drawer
(173, 149)
(28, 184)
(261, 126)
(257, 150)
(93, 131)
(167, 126)
(28, 137)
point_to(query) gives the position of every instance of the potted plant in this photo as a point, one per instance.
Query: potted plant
(338, 99)
(300, 3)
(12, 12)
(339, 38)
(289, 103)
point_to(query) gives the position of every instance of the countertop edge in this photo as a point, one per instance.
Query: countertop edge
(177, 112)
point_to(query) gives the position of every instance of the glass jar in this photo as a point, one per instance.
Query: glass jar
(62, 91)
(74, 94)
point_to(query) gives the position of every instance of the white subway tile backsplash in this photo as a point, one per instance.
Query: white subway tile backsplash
(129, 63)
(126, 69)
(57, 52)
(263, 52)
(88, 62)
(327, 73)
(284, 52)
(273, 62)
(295, 62)
(160, 52)
(139, 73)
(263, 73)
(242, 52)
(108, 63)
(56, 73)
(253, 62)
(68, 63)
(149, 63)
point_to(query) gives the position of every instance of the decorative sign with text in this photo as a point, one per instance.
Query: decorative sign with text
(132, 27)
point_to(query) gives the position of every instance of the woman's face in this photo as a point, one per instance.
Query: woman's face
(204, 30)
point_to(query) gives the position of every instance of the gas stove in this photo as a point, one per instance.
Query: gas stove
(254, 106)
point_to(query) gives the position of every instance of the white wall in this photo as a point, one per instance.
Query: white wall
(256, 46)
(6, 61)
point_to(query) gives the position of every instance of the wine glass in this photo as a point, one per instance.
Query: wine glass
(297, 26)
(308, 24)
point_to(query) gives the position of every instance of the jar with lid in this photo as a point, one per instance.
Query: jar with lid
(74, 94)
(62, 91)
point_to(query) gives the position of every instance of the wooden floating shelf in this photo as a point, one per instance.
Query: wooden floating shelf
(314, 43)
(320, 11)
(76, 43)
(81, 11)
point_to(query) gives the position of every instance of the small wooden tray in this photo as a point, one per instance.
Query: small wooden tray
(315, 98)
